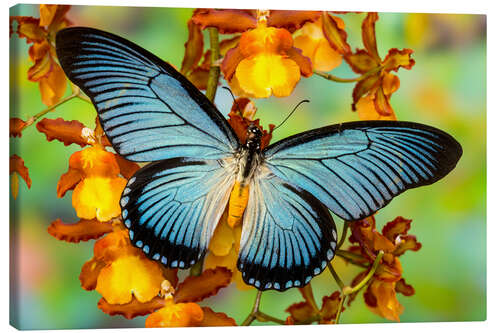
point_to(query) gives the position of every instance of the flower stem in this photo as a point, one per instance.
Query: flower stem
(349, 290)
(344, 234)
(350, 256)
(251, 317)
(213, 74)
(34, 118)
(336, 276)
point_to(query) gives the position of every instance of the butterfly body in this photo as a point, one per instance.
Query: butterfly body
(281, 194)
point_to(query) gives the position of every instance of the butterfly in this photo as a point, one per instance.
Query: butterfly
(282, 194)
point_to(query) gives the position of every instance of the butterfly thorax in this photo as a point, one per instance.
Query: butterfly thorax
(248, 158)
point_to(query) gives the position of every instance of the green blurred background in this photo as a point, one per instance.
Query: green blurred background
(446, 88)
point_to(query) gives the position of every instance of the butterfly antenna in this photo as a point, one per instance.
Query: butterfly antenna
(290, 114)
(234, 100)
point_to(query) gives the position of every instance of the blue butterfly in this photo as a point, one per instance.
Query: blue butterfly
(151, 113)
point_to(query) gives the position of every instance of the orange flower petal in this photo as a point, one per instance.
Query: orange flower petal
(381, 103)
(231, 61)
(398, 58)
(390, 83)
(95, 162)
(67, 132)
(363, 87)
(366, 110)
(390, 268)
(68, 181)
(176, 315)
(265, 39)
(405, 243)
(199, 77)
(325, 58)
(82, 230)
(398, 226)
(336, 36)
(193, 48)
(89, 273)
(387, 305)
(291, 19)
(127, 276)
(330, 307)
(222, 240)
(42, 67)
(16, 164)
(98, 197)
(301, 311)
(53, 87)
(226, 44)
(59, 21)
(227, 21)
(404, 288)
(368, 32)
(361, 61)
(304, 63)
(132, 309)
(127, 168)
(47, 13)
(114, 245)
(16, 125)
(197, 288)
(229, 261)
(267, 74)
(211, 318)
(29, 28)
(307, 293)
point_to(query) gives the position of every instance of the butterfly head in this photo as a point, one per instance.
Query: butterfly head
(254, 136)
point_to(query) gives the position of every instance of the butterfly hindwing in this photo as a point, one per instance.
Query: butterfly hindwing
(357, 168)
(148, 110)
(288, 236)
(172, 207)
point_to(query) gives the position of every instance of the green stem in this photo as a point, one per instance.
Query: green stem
(349, 290)
(339, 310)
(251, 317)
(343, 80)
(350, 256)
(34, 118)
(213, 74)
(344, 234)
(265, 317)
(336, 276)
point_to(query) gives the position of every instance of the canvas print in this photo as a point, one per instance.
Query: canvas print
(224, 167)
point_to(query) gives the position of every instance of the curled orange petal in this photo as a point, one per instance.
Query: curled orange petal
(65, 131)
(95, 161)
(227, 21)
(114, 245)
(43, 65)
(366, 110)
(291, 19)
(16, 164)
(89, 273)
(176, 315)
(330, 307)
(211, 318)
(405, 243)
(68, 181)
(199, 77)
(336, 36)
(304, 63)
(16, 125)
(381, 299)
(82, 230)
(231, 60)
(398, 226)
(29, 28)
(390, 268)
(363, 87)
(197, 288)
(398, 58)
(301, 311)
(193, 48)
(404, 288)
(368, 32)
(381, 102)
(132, 309)
(53, 87)
(390, 83)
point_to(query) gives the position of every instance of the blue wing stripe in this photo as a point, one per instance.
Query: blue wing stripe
(126, 82)
(357, 168)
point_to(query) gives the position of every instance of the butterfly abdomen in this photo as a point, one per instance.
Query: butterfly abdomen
(237, 203)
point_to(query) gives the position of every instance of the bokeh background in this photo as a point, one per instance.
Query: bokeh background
(446, 88)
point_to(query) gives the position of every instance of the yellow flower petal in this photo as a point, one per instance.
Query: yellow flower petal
(266, 74)
(176, 315)
(130, 275)
(98, 197)
(222, 240)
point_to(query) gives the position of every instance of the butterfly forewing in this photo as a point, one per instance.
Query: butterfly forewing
(357, 168)
(148, 110)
